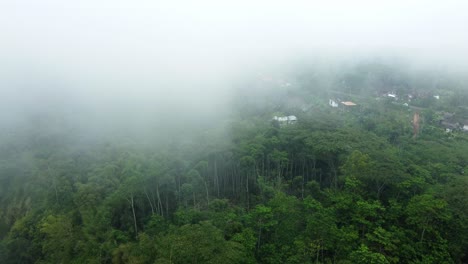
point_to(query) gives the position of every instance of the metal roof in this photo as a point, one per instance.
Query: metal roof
(349, 103)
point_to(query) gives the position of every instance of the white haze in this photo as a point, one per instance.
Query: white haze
(163, 60)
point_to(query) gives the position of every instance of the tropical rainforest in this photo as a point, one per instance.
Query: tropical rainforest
(368, 183)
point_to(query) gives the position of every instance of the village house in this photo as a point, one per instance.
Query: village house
(332, 103)
(391, 95)
(348, 103)
(337, 103)
(286, 120)
(449, 123)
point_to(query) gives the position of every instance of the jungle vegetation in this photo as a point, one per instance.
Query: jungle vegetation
(339, 186)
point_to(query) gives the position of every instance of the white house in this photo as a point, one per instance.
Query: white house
(332, 103)
(437, 97)
(288, 120)
(280, 118)
(293, 119)
(392, 95)
(465, 128)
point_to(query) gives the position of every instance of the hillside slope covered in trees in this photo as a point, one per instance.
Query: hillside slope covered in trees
(338, 186)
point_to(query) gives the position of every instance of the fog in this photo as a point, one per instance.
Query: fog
(153, 65)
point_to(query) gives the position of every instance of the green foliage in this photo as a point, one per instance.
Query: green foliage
(363, 255)
(198, 243)
(336, 187)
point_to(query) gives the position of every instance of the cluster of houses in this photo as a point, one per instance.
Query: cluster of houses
(450, 123)
(447, 120)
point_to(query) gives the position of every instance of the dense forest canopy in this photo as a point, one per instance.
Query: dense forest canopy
(345, 184)
(207, 131)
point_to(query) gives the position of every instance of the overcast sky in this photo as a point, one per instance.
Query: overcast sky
(86, 29)
(185, 49)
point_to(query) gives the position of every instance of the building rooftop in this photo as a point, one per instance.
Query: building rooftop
(348, 103)
(287, 119)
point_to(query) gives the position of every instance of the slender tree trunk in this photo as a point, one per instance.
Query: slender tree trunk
(259, 238)
(56, 192)
(193, 196)
(423, 231)
(422, 234)
(279, 175)
(303, 178)
(291, 172)
(233, 183)
(167, 204)
(248, 193)
(54, 183)
(216, 174)
(159, 201)
(314, 164)
(318, 254)
(263, 165)
(268, 168)
(154, 201)
(379, 190)
(335, 175)
(134, 215)
(149, 200)
(241, 185)
(207, 194)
